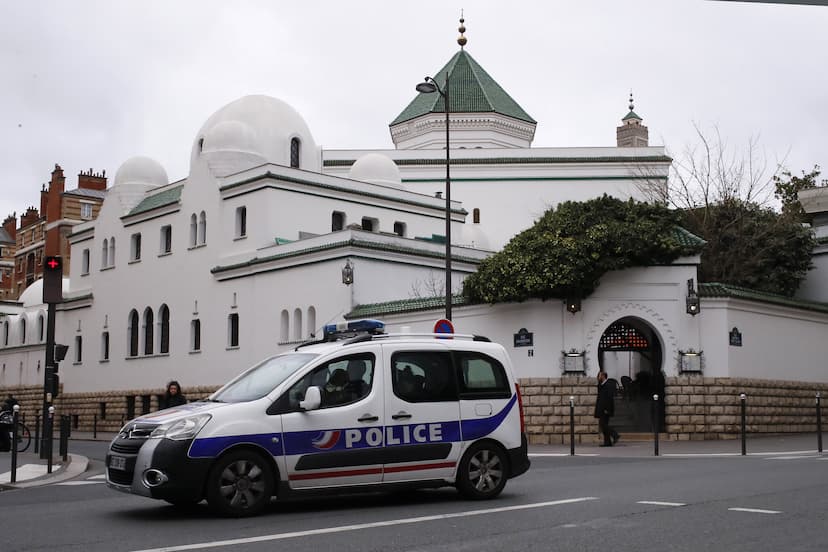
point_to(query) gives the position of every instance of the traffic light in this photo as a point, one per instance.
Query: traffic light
(60, 352)
(52, 279)
(52, 382)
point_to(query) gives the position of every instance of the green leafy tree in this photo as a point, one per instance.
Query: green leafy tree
(567, 251)
(751, 246)
(788, 186)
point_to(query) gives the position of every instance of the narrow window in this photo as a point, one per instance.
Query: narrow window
(105, 254)
(311, 322)
(337, 221)
(399, 228)
(78, 349)
(105, 346)
(241, 222)
(135, 247)
(133, 333)
(233, 330)
(85, 262)
(40, 328)
(195, 335)
(476, 215)
(112, 251)
(297, 324)
(295, 147)
(148, 331)
(22, 331)
(166, 239)
(164, 329)
(284, 327)
(86, 211)
(202, 228)
(193, 230)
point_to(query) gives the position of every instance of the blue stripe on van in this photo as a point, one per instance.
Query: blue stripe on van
(475, 429)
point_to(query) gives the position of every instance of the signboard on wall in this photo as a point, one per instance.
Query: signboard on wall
(735, 337)
(524, 338)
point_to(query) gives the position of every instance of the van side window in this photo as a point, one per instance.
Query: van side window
(423, 376)
(342, 381)
(481, 377)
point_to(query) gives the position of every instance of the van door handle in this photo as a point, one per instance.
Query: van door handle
(368, 418)
(400, 416)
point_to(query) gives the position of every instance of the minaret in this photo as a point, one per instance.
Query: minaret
(631, 133)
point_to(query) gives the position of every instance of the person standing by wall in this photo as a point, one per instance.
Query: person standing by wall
(5, 423)
(173, 396)
(605, 409)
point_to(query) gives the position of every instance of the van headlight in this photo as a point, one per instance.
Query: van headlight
(181, 430)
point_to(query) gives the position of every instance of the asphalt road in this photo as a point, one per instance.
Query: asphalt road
(710, 503)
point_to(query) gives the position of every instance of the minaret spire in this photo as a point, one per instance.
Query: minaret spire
(461, 40)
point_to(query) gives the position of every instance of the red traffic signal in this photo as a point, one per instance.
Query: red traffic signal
(52, 279)
(53, 263)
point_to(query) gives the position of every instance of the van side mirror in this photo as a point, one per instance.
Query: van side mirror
(313, 399)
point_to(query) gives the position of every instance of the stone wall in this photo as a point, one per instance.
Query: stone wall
(696, 407)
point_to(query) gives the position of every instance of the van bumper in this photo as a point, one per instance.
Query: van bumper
(519, 458)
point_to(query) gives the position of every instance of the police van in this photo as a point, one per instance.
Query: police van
(360, 409)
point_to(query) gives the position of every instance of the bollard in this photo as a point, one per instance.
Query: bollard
(571, 425)
(743, 398)
(819, 423)
(655, 425)
(37, 433)
(15, 422)
(95, 426)
(48, 444)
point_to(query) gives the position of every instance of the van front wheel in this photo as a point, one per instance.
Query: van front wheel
(240, 484)
(482, 471)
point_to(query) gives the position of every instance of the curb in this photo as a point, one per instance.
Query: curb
(75, 465)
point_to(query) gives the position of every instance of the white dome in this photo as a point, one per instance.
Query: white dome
(32, 296)
(261, 125)
(231, 136)
(376, 169)
(472, 235)
(141, 170)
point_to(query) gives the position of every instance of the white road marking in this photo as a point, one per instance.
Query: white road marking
(555, 454)
(101, 476)
(754, 510)
(793, 457)
(26, 472)
(360, 526)
(660, 503)
(718, 454)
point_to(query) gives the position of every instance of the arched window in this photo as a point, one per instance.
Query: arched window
(297, 324)
(311, 322)
(284, 327)
(22, 331)
(195, 335)
(112, 251)
(295, 146)
(149, 320)
(132, 333)
(105, 254)
(193, 230)
(40, 327)
(233, 330)
(202, 228)
(164, 329)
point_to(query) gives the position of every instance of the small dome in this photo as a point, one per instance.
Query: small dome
(32, 296)
(231, 136)
(141, 170)
(376, 169)
(472, 235)
(261, 125)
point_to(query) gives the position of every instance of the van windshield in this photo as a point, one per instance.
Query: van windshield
(260, 380)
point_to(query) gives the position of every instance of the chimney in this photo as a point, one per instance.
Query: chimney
(29, 217)
(92, 180)
(44, 199)
(53, 212)
(10, 225)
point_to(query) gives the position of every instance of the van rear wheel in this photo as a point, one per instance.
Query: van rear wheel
(482, 471)
(240, 484)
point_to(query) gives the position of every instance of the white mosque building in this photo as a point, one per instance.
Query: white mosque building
(270, 237)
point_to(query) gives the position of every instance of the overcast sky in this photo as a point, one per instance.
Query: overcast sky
(89, 84)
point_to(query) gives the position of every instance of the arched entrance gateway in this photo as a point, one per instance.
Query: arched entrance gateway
(631, 353)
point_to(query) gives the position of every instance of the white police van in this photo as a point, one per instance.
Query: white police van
(358, 410)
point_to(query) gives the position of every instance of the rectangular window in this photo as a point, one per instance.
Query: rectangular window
(78, 349)
(105, 346)
(233, 330)
(370, 224)
(195, 335)
(85, 262)
(481, 377)
(135, 247)
(399, 228)
(86, 211)
(166, 239)
(337, 221)
(241, 222)
(423, 376)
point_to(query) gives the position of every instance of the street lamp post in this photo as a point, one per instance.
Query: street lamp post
(429, 86)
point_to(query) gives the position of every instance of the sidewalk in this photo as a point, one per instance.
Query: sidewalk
(31, 469)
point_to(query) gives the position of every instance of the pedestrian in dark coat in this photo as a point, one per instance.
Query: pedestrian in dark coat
(173, 396)
(605, 409)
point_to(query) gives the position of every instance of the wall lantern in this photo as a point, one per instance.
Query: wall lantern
(348, 273)
(573, 304)
(692, 302)
(690, 361)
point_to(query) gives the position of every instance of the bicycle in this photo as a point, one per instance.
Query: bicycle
(24, 436)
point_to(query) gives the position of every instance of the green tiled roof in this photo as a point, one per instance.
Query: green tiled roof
(404, 305)
(726, 290)
(687, 238)
(631, 115)
(154, 201)
(471, 90)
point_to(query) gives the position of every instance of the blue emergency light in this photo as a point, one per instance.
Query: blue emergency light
(354, 327)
